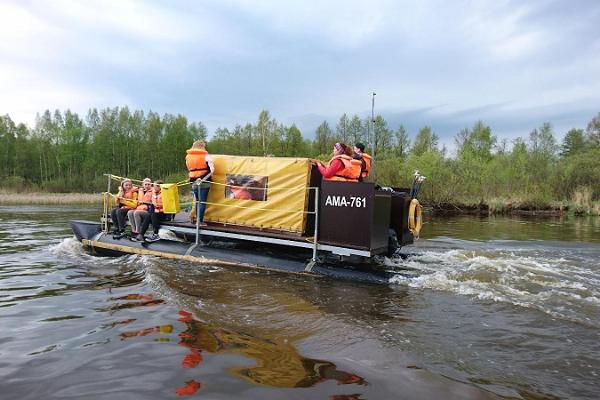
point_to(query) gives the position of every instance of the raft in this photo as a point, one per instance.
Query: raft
(291, 222)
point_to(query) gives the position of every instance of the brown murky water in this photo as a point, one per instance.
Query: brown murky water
(482, 308)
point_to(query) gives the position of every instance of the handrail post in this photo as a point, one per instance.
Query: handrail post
(197, 221)
(316, 231)
(106, 202)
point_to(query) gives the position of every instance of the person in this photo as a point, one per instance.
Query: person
(126, 201)
(201, 167)
(342, 167)
(359, 154)
(155, 215)
(137, 216)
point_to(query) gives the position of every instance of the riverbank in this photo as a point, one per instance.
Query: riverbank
(499, 207)
(49, 198)
(494, 207)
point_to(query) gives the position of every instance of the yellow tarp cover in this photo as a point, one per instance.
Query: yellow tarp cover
(274, 190)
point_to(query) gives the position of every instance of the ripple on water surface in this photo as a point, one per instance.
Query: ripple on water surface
(512, 317)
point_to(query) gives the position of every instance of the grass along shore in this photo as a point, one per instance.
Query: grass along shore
(11, 198)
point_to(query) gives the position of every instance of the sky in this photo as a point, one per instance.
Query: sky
(446, 64)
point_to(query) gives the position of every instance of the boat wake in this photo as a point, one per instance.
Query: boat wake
(563, 281)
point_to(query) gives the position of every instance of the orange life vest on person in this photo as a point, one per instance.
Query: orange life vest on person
(144, 197)
(195, 160)
(157, 202)
(350, 172)
(367, 170)
(129, 198)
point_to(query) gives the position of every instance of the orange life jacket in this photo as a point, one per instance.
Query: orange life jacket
(144, 197)
(157, 202)
(367, 170)
(129, 199)
(350, 172)
(195, 160)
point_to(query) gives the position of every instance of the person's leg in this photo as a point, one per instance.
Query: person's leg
(203, 198)
(114, 219)
(131, 218)
(145, 222)
(157, 219)
(194, 202)
(139, 217)
(121, 215)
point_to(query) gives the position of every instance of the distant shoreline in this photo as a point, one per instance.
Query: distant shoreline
(14, 198)
(547, 210)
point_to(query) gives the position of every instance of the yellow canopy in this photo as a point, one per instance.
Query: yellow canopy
(260, 192)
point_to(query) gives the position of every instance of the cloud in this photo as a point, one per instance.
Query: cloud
(221, 62)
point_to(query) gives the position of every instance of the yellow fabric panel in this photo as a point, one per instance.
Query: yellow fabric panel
(170, 196)
(287, 190)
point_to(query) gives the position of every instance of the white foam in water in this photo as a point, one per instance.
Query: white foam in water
(551, 284)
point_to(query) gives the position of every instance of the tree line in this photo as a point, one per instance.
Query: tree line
(65, 152)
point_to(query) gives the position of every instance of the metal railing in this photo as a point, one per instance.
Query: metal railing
(107, 196)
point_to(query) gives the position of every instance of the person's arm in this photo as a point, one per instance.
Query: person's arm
(333, 169)
(211, 167)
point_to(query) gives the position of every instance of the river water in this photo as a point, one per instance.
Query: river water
(481, 308)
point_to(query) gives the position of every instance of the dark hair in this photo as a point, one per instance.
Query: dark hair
(360, 146)
(348, 151)
(158, 182)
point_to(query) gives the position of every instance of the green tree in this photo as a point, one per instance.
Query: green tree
(426, 140)
(401, 142)
(573, 143)
(342, 130)
(323, 136)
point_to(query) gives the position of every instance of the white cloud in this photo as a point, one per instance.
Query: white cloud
(294, 58)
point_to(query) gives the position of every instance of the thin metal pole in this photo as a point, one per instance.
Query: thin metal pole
(198, 219)
(373, 120)
(316, 232)
(107, 199)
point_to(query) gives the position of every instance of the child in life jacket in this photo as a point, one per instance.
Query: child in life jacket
(137, 216)
(155, 215)
(126, 201)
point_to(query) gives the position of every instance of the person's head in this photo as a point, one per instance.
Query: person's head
(157, 186)
(359, 148)
(126, 185)
(199, 144)
(339, 149)
(147, 182)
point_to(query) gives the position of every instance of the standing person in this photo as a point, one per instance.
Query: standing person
(155, 215)
(200, 167)
(126, 201)
(342, 167)
(359, 154)
(137, 216)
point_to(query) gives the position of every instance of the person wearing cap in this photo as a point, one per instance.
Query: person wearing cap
(201, 167)
(342, 167)
(359, 154)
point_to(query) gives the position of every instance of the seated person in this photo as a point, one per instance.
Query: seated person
(155, 215)
(141, 211)
(342, 167)
(126, 201)
(359, 154)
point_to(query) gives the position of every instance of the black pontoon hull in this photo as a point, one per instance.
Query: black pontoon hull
(271, 258)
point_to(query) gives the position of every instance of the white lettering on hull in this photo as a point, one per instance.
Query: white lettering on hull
(343, 201)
